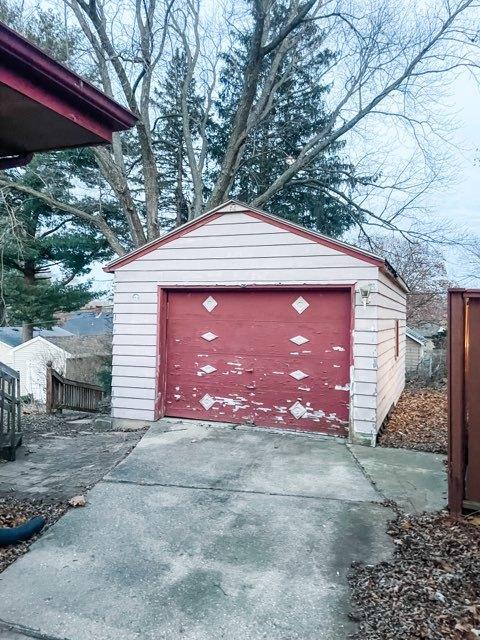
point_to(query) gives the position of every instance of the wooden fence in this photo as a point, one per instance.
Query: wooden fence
(10, 412)
(464, 400)
(63, 393)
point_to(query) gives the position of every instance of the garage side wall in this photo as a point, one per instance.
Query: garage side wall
(233, 249)
(391, 301)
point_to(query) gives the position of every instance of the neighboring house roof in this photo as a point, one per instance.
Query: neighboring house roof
(88, 323)
(46, 106)
(414, 335)
(98, 305)
(12, 336)
(83, 346)
(233, 206)
(430, 330)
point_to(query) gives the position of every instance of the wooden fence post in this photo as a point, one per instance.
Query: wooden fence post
(10, 412)
(456, 400)
(49, 389)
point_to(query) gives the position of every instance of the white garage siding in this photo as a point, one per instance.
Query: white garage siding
(236, 249)
(391, 304)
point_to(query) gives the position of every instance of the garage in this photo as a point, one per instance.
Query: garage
(274, 356)
(242, 317)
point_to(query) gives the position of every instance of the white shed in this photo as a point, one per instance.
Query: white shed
(30, 360)
(240, 316)
(414, 349)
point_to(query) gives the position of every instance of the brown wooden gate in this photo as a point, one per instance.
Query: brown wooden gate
(464, 400)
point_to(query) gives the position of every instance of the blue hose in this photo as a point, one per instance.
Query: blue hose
(12, 535)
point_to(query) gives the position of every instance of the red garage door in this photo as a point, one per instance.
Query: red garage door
(277, 358)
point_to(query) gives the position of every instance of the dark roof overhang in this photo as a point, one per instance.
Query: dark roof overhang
(44, 106)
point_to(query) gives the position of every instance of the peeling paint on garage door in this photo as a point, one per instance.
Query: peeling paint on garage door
(277, 357)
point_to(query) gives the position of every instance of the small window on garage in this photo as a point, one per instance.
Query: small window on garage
(397, 338)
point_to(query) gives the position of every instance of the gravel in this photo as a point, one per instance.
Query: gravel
(37, 424)
(41, 424)
(430, 590)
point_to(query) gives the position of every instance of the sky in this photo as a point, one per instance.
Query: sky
(461, 200)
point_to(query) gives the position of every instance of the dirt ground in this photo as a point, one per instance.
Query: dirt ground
(431, 589)
(69, 423)
(419, 421)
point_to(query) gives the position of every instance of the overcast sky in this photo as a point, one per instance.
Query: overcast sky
(461, 201)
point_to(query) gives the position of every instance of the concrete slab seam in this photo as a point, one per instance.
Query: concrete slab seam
(366, 474)
(241, 491)
(229, 426)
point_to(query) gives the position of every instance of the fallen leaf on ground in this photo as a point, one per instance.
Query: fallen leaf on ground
(16, 511)
(77, 501)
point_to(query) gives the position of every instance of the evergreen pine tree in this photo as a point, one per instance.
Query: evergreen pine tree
(298, 112)
(172, 157)
(42, 251)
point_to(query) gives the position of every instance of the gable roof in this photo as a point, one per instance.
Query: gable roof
(234, 206)
(12, 336)
(36, 340)
(414, 335)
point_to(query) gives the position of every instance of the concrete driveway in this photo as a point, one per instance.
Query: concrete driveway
(205, 533)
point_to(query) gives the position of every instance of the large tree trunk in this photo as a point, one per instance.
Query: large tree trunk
(29, 278)
(27, 331)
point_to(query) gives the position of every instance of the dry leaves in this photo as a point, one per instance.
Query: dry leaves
(431, 589)
(77, 501)
(419, 421)
(14, 512)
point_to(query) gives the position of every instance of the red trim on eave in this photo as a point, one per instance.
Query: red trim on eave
(25, 66)
(161, 359)
(264, 217)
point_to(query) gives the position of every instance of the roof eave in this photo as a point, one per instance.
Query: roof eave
(414, 338)
(18, 53)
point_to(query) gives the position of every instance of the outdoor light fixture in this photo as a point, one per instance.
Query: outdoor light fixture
(365, 292)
